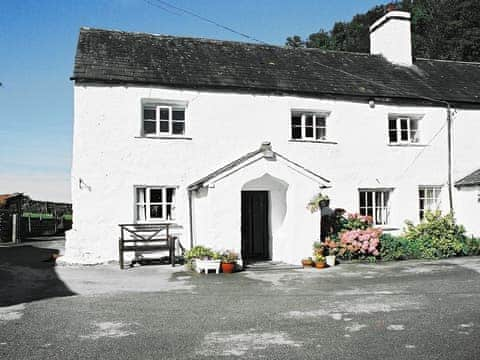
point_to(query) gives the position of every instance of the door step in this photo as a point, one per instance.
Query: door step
(271, 265)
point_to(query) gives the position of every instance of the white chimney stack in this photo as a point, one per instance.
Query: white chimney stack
(391, 36)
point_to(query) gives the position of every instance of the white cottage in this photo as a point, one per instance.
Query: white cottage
(230, 140)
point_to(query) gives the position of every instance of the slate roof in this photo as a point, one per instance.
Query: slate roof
(469, 180)
(105, 56)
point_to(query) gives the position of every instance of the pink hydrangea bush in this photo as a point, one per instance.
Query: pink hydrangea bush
(361, 242)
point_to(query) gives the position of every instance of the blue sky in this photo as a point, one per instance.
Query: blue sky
(37, 48)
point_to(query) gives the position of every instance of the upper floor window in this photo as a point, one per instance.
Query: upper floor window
(376, 204)
(163, 120)
(308, 126)
(155, 203)
(429, 199)
(403, 129)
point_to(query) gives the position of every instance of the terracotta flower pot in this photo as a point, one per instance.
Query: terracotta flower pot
(306, 262)
(228, 267)
(319, 265)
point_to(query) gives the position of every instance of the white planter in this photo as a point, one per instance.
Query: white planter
(330, 259)
(205, 265)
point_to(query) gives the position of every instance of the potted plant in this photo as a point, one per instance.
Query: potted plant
(332, 251)
(319, 261)
(229, 260)
(318, 201)
(307, 262)
(318, 248)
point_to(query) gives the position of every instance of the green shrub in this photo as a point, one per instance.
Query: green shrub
(394, 248)
(436, 236)
(471, 246)
(198, 252)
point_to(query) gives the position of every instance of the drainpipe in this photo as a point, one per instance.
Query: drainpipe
(190, 216)
(449, 126)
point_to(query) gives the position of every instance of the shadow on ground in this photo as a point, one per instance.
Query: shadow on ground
(28, 273)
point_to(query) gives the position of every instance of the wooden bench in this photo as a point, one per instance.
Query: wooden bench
(140, 238)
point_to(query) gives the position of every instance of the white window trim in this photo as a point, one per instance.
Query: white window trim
(398, 118)
(158, 104)
(437, 196)
(314, 114)
(147, 203)
(374, 205)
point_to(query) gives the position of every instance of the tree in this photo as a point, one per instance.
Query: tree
(442, 29)
(294, 41)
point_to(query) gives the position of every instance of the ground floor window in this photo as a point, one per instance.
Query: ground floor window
(375, 203)
(429, 199)
(155, 203)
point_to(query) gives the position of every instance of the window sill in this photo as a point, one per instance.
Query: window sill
(165, 137)
(387, 227)
(314, 141)
(407, 145)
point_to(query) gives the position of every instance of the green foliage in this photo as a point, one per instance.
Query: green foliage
(356, 222)
(471, 246)
(198, 252)
(442, 29)
(314, 204)
(438, 236)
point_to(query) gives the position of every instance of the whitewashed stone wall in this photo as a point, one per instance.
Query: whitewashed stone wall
(110, 158)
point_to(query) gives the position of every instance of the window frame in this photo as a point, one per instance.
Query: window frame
(384, 209)
(158, 106)
(437, 199)
(148, 203)
(398, 118)
(315, 127)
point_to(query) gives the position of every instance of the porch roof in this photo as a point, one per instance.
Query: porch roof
(469, 180)
(266, 151)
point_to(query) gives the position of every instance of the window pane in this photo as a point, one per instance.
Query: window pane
(321, 134)
(404, 135)
(156, 211)
(178, 127)
(362, 199)
(296, 132)
(164, 126)
(393, 136)
(149, 114)
(141, 212)
(421, 193)
(320, 122)
(414, 131)
(386, 198)
(178, 114)
(296, 120)
(403, 124)
(140, 195)
(156, 195)
(309, 132)
(392, 124)
(378, 199)
(308, 120)
(149, 127)
(369, 195)
(169, 212)
(170, 194)
(164, 114)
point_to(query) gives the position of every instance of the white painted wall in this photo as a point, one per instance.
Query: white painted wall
(111, 158)
(391, 37)
(468, 208)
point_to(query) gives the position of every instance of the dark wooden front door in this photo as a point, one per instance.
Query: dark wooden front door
(255, 226)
